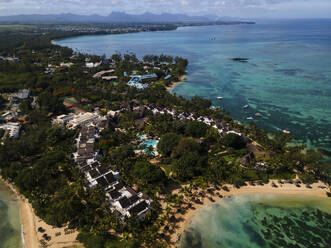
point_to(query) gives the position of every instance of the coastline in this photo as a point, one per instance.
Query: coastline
(175, 83)
(30, 224)
(184, 219)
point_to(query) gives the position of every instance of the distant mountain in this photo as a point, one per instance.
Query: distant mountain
(112, 17)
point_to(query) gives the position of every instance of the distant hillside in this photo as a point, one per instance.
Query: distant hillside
(113, 17)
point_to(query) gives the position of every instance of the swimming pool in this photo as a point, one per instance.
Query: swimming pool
(149, 143)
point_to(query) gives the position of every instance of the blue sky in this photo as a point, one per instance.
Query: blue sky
(236, 8)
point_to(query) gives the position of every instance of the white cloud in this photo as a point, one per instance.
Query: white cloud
(240, 8)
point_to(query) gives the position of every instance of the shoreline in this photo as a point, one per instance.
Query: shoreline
(30, 224)
(175, 83)
(184, 219)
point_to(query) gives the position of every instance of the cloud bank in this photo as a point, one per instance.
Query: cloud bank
(237, 8)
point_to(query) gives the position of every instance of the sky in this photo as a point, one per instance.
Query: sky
(234, 8)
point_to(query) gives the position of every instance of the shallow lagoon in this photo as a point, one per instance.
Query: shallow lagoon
(287, 77)
(10, 227)
(261, 221)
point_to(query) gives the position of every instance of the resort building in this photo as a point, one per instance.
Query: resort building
(12, 130)
(110, 78)
(93, 65)
(74, 120)
(101, 73)
(69, 64)
(137, 80)
(123, 201)
(62, 120)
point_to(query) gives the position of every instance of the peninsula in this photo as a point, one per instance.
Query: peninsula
(102, 152)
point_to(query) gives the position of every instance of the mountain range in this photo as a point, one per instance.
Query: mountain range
(114, 17)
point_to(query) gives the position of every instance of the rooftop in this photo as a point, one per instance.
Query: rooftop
(138, 208)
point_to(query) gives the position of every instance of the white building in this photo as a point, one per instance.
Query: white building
(93, 65)
(74, 120)
(13, 129)
(66, 64)
(63, 119)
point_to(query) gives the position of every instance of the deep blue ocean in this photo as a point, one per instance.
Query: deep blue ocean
(287, 77)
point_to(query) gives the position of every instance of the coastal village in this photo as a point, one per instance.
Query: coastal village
(106, 153)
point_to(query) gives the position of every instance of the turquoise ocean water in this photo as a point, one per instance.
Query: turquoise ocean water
(254, 221)
(10, 227)
(287, 77)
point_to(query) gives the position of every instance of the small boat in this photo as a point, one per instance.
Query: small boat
(220, 97)
(245, 106)
(250, 118)
(258, 115)
(286, 131)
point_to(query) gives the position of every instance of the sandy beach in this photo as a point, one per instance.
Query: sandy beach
(30, 224)
(174, 84)
(183, 219)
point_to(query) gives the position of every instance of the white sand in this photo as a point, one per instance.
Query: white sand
(174, 84)
(30, 224)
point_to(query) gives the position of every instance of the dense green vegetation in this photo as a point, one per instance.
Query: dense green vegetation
(40, 164)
